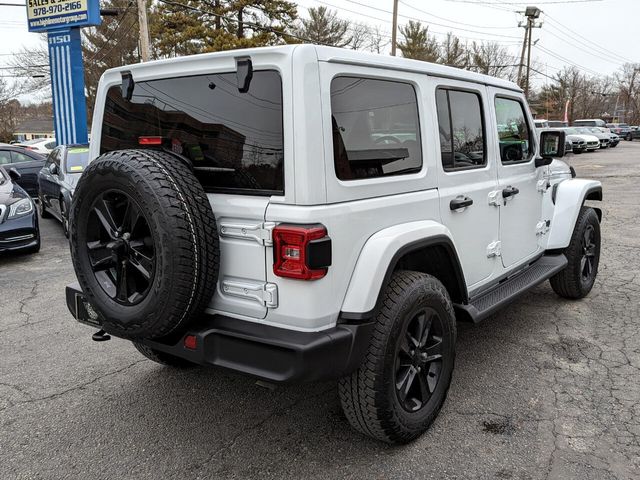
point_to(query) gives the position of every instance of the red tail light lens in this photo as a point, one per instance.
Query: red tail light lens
(301, 251)
(150, 140)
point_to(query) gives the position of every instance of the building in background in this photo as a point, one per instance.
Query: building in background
(34, 128)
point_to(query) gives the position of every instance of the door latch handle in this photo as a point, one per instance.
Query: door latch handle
(460, 202)
(510, 192)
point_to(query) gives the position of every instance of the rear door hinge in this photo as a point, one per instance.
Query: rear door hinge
(542, 227)
(543, 185)
(495, 198)
(494, 249)
(264, 293)
(259, 232)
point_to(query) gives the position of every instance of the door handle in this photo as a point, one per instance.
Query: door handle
(509, 192)
(460, 202)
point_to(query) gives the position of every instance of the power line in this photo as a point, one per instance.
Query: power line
(415, 18)
(593, 54)
(385, 20)
(494, 27)
(566, 60)
(551, 19)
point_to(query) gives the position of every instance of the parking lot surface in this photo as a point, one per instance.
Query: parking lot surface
(548, 388)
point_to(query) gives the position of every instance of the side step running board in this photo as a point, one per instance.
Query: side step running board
(487, 303)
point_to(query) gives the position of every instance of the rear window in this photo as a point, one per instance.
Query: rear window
(77, 159)
(233, 139)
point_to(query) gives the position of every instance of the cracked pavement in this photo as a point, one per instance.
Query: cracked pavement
(547, 388)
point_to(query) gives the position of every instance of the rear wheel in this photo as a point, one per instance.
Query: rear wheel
(403, 381)
(583, 254)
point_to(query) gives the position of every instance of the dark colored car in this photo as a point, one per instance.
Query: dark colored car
(26, 162)
(19, 229)
(57, 181)
(621, 129)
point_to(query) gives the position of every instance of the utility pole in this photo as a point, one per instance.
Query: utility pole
(394, 31)
(532, 13)
(145, 52)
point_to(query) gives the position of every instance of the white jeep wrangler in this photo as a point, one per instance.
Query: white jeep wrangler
(300, 213)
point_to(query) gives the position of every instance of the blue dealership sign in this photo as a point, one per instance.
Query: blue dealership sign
(67, 86)
(45, 15)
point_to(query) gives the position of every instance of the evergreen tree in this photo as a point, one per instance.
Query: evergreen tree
(325, 28)
(418, 44)
(186, 27)
(453, 52)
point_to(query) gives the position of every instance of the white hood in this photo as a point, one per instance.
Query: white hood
(586, 138)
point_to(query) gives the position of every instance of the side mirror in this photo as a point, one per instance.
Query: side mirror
(53, 169)
(14, 174)
(551, 146)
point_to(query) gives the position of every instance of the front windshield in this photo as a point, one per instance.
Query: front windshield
(571, 131)
(77, 159)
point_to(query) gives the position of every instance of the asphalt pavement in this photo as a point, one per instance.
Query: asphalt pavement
(548, 388)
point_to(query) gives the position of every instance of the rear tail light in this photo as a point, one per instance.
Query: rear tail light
(301, 251)
(150, 140)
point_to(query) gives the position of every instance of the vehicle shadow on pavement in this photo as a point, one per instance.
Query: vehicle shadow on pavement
(210, 421)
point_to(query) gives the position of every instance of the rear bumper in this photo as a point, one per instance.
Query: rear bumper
(275, 354)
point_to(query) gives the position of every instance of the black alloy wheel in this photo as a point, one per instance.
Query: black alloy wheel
(583, 257)
(120, 246)
(419, 359)
(403, 379)
(588, 260)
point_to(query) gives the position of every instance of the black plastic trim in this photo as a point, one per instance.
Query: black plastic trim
(318, 253)
(274, 354)
(437, 240)
(556, 263)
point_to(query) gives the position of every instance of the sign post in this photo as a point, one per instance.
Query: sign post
(67, 86)
(62, 20)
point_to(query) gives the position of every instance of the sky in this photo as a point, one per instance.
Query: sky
(597, 36)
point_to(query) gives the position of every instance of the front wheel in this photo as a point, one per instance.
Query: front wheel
(399, 388)
(64, 214)
(42, 209)
(583, 254)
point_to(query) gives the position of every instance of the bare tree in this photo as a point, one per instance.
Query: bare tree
(628, 81)
(378, 41)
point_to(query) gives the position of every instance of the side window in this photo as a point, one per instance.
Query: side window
(5, 157)
(18, 157)
(461, 129)
(376, 131)
(514, 133)
(50, 145)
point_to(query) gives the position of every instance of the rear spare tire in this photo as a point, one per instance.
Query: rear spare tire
(144, 242)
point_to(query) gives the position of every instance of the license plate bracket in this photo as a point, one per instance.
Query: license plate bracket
(85, 312)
